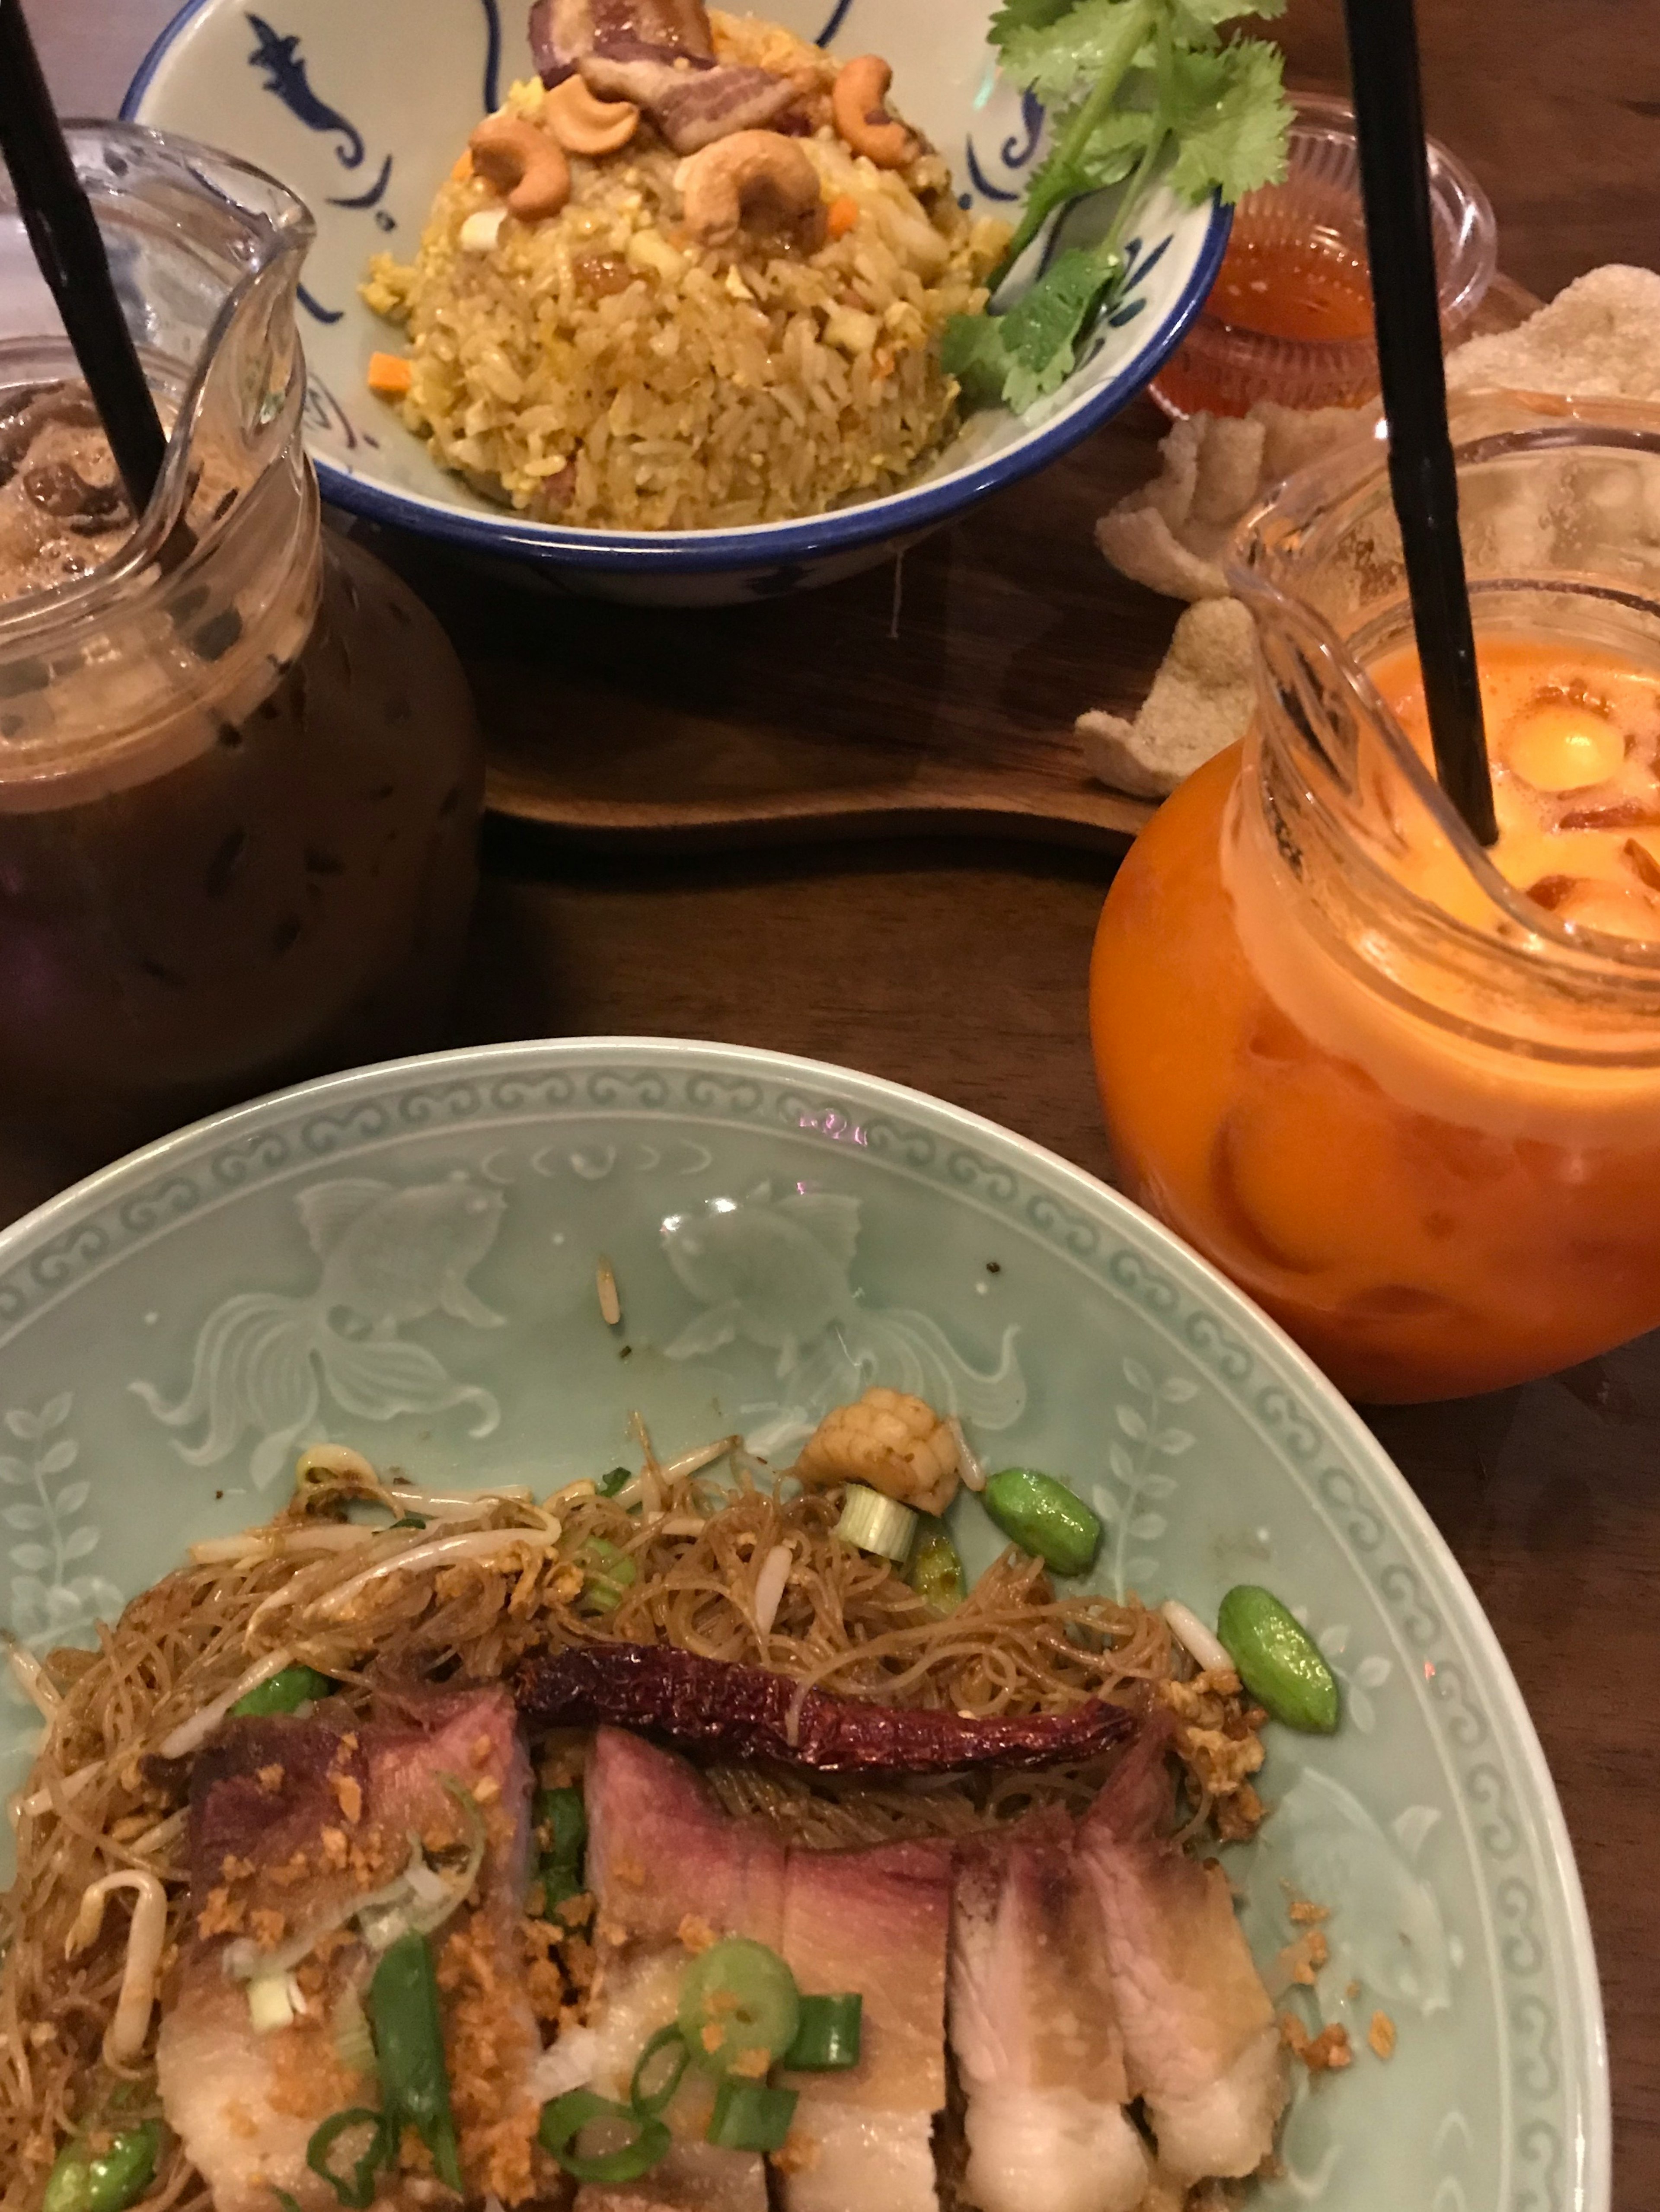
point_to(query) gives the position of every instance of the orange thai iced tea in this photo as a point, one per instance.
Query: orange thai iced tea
(1408, 1095)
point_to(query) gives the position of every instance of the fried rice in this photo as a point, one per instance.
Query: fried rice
(602, 369)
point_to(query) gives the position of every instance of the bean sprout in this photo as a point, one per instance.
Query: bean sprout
(968, 1464)
(147, 1933)
(32, 1677)
(69, 1787)
(190, 1735)
(769, 1587)
(438, 1551)
(1201, 1644)
(279, 1543)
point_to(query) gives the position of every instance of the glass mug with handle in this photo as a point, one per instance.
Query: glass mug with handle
(240, 775)
(1404, 1091)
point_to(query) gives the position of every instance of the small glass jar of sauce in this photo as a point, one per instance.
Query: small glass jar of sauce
(241, 776)
(1289, 316)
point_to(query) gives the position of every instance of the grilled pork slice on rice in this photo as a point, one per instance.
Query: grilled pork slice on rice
(659, 54)
(877, 1922)
(666, 1864)
(1201, 2042)
(307, 1836)
(1035, 2030)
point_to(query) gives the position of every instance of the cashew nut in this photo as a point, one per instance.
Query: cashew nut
(585, 123)
(859, 102)
(523, 162)
(753, 174)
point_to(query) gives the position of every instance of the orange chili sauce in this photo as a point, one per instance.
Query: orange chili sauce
(1304, 289)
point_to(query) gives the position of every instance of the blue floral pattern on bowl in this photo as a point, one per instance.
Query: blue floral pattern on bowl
(327, 97)
(403, 1260)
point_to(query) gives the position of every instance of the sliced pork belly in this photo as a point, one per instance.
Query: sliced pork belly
(1034, 2031)
(1201, 2042)
(661, 1850)
(291, 1819)
(876, 1922)
(666, 1863)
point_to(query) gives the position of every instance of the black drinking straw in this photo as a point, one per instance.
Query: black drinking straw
(1389, 109)
(63, 232)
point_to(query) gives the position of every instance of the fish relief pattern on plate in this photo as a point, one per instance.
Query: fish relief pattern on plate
(1398, 1959)
(389, 1257)
(1136, 1481)
(777, 1272)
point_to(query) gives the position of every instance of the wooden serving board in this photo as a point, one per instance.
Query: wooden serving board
(939, 699)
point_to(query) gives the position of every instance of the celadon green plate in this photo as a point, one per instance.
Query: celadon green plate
(403, 1259)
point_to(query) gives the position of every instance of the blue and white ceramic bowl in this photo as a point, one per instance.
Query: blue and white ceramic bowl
(359, 105)
(402, 1259)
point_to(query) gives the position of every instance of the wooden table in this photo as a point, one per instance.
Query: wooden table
(959, 967)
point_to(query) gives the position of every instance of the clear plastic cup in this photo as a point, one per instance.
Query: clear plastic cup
(1224, 366)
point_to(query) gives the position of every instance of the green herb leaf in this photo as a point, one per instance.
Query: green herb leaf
(1065, 56)
(1229, 115)
(1041, 335)
(1017, 15)
(1135, 89)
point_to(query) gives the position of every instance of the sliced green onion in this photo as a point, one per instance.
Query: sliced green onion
(828, 2036)
(935, 1571)
(563, 2119)
(104, 2181)
(609, 1484)
(871, 1522)
(409, 2041)
(649, 2102)
(737, 1998)
(356, 2189)
(563, 1815)
(749, 2116)
(609, 1572)
(283, 1694)
(286, 2199)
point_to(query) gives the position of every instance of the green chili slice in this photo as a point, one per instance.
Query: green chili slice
(356, 2189)
(828, 2036)
(748, 2116)
(284, 1693)
(563, 2119)
(935, 1573)
(84, 2180)
(650, 2103)
(408, 2040)
(738, 1997)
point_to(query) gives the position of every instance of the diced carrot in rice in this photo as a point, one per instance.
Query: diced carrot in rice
(390, 374)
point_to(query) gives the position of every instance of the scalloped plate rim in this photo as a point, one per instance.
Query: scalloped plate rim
(1584, 2056)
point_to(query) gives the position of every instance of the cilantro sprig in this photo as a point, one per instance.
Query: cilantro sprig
(1138, 91)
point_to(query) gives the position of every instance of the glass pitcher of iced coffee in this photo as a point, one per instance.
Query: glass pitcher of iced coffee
(1404, 1091)
(239, 773)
